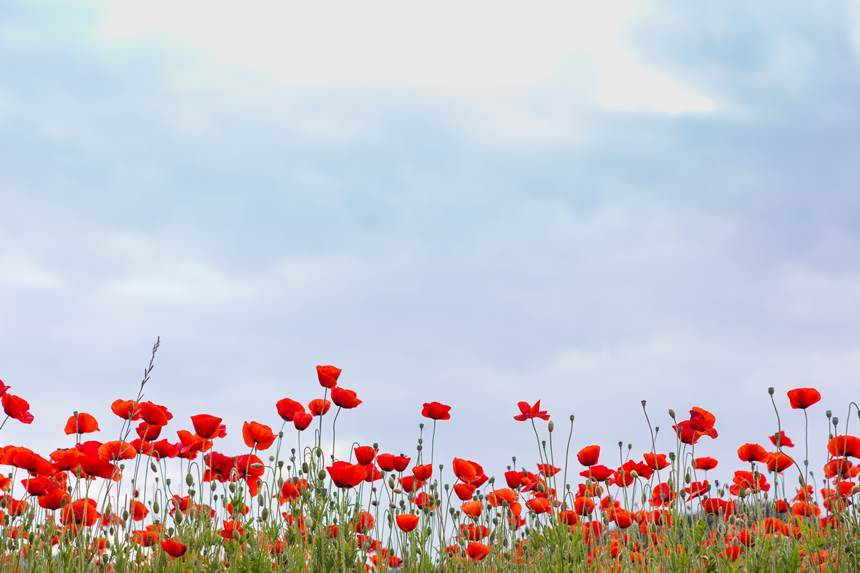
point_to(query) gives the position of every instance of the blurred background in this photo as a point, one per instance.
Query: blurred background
(475, 203)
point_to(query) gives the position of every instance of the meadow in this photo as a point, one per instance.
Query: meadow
(145, 501)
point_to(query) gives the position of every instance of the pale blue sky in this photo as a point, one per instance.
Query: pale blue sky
(473, 205)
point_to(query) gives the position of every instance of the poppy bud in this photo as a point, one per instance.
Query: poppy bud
(321, 475)
(264, 515)
(305, 468)
(828, 413)
(550, 426)
(770, 390)
(156, 508)
(153, 467)
(189, 479)
(671, 413)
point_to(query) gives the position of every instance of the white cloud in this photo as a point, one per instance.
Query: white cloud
(491, 58)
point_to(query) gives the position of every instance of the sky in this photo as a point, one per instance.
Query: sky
(474, 204)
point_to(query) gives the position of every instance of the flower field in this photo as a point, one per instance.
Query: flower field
(149, 498)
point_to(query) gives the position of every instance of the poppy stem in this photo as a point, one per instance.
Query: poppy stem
(432, 444)
(333, 425)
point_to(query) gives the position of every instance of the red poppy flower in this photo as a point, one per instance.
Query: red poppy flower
(55, 499)
(778, 462)
(154, 414)
(803, 398)
(346, 399)
(80, 512)
(346, 475)
(126, 409)
(656, 461)
(137, 510)
(17, 407)
(148, 432)
(208, 426)
(301, 420)
(390, 462)
(845, 445)
(288, 408)
(472, 508)
(477, 551)
(257, 435)
(705, 463)
(422, 472)
(689, 435)
(528, 412)
(83, 423)
(697, 489)
(406, 522)
(467, 471)
(232, 530)
(116, 450)
(3, 387)
(752, 453)
(39, 485)
(548, 470)
(436, 411)
(174, 548)
(411, 484)
(364, 454)
(597, 472)
(588, 455)
(779, 439)
(319, 407)
(328, 375)
(464, 491)
(701, 420)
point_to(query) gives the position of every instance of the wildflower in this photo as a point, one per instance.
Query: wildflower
(81, 423)
(588, 455)
(779, 439)
(256, 435)
(17, 407)
(752, 453)
(328, 375)
(287, 408)
(319, 407)
(529, 412)
(174, 547)
(803, 398)
(436, 411)
(406, 522)
(344, 398)
(477, 551)
(705, 463)
(346, 475)
(207, 426)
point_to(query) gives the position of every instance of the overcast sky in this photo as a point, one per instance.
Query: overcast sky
(475, 203)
